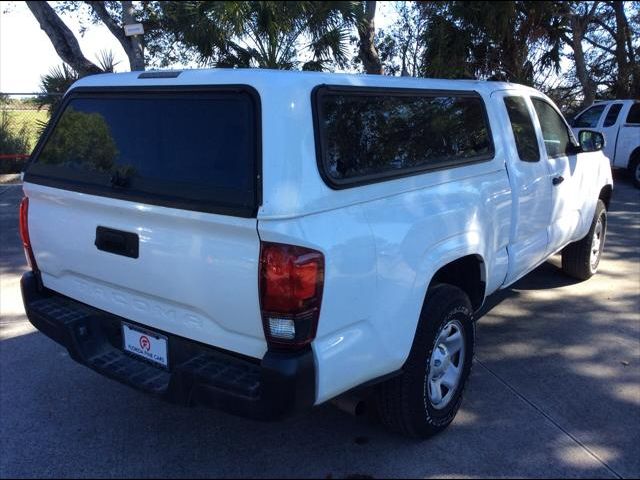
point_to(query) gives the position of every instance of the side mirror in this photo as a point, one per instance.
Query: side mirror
(591, 141)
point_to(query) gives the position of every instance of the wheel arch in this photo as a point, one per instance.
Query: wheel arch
(605, 195)
(633, 165)
(468, 273)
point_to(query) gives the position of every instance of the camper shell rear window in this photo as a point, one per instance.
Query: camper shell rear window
(195, 149)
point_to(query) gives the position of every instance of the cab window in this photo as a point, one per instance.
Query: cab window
(554, 130)
(589, 118)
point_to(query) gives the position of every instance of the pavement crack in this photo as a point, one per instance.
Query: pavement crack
(548, 417)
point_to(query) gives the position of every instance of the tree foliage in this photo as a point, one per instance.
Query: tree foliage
(401, 45)
(602, 38)
(497, 40)
(13, 139)
(573, 50)
(60, 78)
(114, 15)
(265, 34)
(81, 136)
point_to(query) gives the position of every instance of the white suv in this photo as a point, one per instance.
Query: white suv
(619, 122)
(265, 241)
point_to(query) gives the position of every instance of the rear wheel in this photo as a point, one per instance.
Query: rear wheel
(634, 169)
(581, 259)
(425, 398)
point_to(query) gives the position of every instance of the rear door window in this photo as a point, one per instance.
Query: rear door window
(193, 150)
(634, 114)
(368, 134)
(612, 115)
(524, 132)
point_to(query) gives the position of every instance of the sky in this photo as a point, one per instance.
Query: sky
(26, 52)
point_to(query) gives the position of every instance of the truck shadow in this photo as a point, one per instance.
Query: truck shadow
(78, 423)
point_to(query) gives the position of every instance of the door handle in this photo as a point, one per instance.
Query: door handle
(557, 180)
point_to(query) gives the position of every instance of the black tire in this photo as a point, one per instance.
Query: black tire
(634, 169)
(403, 402)
(576, 257)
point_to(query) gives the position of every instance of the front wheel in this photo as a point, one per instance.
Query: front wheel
(582, 258)
(425, 398)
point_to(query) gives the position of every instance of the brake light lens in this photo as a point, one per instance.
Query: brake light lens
(24, 234)
(291, 284)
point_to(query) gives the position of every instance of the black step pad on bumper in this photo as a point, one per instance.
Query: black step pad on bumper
(280, 384)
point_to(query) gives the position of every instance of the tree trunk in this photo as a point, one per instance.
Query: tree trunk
(624, 70)
(63, 40)
(136, 52)
(588, 87)
(404, 72)
(367, 33)
(634, 66)
(132, 46)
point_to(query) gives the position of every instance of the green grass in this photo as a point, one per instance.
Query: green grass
(28, 118)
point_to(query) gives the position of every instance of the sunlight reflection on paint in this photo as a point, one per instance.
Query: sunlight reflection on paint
(141, 234)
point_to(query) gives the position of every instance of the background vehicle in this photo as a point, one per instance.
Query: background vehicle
(264, 241)
(619, 122)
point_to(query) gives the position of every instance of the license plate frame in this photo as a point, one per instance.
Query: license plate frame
(146, 345)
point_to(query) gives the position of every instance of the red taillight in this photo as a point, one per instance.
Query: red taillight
(291, 282)
(24, 233)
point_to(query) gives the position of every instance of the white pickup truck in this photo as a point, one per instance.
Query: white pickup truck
(265, 241)
(619, 123)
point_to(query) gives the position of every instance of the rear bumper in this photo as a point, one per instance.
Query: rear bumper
(280, 384)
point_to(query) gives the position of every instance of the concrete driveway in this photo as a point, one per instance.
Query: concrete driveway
(555, 392)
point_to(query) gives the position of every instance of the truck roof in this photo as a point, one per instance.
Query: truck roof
(279, 77)
(294, 188)
(625, 100)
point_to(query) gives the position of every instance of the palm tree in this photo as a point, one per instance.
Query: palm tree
(265, 34)
(59, 79)
(53, 85)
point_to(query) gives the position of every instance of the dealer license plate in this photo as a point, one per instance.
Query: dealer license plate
(147, 345)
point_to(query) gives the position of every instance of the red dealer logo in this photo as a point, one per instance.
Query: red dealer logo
(145, 343)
